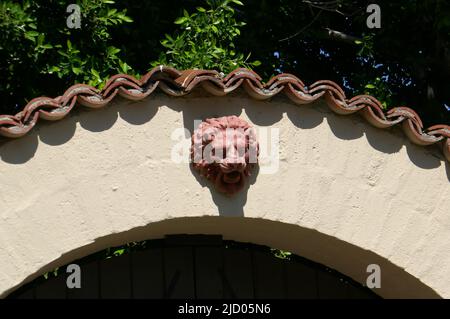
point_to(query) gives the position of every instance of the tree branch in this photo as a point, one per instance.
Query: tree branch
(302, 29)
(339, 36)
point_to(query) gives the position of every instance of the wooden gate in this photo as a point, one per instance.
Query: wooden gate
(196, 266)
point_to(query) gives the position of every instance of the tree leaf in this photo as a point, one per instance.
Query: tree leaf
(180, 20)
(76, 70)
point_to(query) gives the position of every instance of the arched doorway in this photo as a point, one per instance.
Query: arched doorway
(195, 266)
(342, 196)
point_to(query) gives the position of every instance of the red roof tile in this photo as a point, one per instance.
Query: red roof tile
(179, 83)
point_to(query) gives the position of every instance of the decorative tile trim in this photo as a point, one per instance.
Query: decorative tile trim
(179, 83)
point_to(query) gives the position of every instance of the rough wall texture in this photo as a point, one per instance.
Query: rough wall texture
(357, 192)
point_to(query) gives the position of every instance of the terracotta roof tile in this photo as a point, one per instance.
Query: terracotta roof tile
(179, 83)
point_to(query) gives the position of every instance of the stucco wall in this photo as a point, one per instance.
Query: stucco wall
(360, 194)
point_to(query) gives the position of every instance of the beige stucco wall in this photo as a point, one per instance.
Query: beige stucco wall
(345, 194)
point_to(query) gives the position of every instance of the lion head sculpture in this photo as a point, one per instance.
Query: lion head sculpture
(225, 150)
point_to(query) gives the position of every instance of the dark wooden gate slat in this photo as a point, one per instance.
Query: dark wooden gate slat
(147, 268)
(208, 272)
(238, 277)
(354, 292)
(269, 276)
(89, 282)
(52, 288)
(25, 294)
(115, 277)
(200, 266)
(330, 286)
(301, 281)
(179, 272)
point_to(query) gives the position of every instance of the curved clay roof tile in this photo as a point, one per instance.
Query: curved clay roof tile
(179, 83)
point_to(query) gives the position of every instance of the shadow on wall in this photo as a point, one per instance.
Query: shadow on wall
(351, 127)
(138, 113)
(228, 205)
(19, 151)
(391, 141)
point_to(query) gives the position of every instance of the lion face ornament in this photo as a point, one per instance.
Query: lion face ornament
(225, 150)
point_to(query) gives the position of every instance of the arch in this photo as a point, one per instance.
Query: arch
(191, 267)
(359, 195)
(343, 257)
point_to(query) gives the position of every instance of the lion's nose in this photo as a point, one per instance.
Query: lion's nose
(232, 165)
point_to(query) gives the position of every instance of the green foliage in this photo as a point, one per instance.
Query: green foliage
(380, 90)
(366, 44)
(18, 27)
(54, 273)
(90, 58)
(281, 254)
(410, 53)
(112, 252)
(205, 39)
(36, 46)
